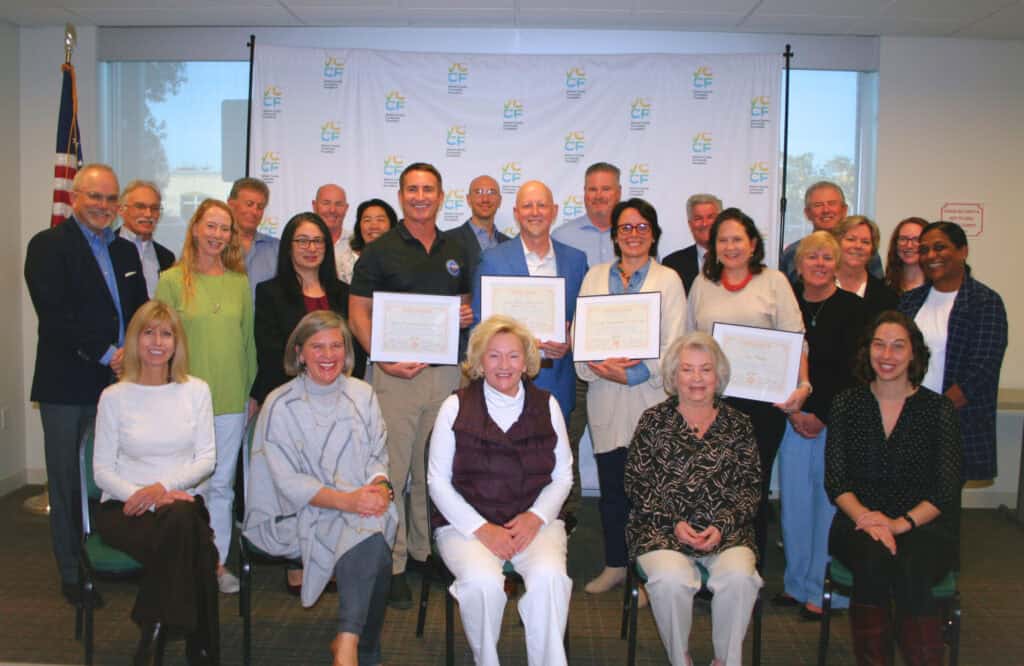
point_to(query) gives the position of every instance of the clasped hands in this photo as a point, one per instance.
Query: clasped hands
(704, 540)
(370, 500)
(505, 541)
(881, 528)
(153, 496)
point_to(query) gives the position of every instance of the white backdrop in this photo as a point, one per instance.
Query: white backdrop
(674, 124)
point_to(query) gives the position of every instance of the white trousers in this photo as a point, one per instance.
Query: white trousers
(479, 588)
(672, 581)
(219, 489)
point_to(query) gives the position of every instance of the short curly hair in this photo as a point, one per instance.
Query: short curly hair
(700, 341)
(473, 366)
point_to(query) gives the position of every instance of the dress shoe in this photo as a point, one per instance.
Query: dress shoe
(150, 651)
(783, 600)
(400, 596)
(610, 578)
(810, 615)
(419, 566)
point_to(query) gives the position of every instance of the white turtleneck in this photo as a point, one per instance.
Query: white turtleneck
(504, 410)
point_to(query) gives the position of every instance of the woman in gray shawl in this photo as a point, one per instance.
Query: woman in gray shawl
(318, 485)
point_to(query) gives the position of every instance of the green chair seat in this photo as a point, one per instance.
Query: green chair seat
(842, 576)
(107, 559)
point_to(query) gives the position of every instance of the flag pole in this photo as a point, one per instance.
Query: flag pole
(40, 504)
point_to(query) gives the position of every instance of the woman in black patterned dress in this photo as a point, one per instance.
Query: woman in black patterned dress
(892, 466)
(693, 476)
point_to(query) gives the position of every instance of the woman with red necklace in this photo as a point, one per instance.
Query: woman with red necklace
(736, 287)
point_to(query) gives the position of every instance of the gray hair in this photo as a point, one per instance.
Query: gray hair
(700, 341)
(137, 184)
(605, 167)
(698, 199)
(308, 326)
(76, 184)
(821, 184)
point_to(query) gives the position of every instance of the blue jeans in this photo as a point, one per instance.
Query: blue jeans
(806, 516)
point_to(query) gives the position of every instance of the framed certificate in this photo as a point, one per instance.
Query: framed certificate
(617, 326)
(764, 362)
(416, 328)
(536, 302)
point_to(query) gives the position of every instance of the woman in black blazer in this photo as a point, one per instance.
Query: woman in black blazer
(306, 280)
(858, 241)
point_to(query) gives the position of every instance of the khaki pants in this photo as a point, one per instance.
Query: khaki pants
(410, 407)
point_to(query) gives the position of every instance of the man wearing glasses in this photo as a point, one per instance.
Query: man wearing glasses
(478, 233)
(85, 284)
(140, 211)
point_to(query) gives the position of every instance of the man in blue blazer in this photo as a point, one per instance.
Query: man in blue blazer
(85, 284)
(535, 253)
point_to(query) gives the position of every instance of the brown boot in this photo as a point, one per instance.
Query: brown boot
(871, 627)
(921, 640)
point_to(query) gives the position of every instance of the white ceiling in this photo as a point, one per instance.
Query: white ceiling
(984, 19)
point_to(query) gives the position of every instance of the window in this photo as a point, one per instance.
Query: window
(178, 124)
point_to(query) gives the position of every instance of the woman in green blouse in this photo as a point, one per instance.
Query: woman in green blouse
(211, 294)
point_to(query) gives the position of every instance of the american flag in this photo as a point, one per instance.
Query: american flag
(68, 157)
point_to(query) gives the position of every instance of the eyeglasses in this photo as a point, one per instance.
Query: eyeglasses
(306, 243)
(908, 240)
(641, 228)
(480, 191)
(140, 208)
(99, 197)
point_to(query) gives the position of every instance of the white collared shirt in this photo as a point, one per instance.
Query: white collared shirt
(539, 266)
(147, 255)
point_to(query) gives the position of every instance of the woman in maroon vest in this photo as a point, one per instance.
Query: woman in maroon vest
(499, 471)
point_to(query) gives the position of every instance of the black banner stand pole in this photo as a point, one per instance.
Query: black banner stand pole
(788, 55)
(248, 115)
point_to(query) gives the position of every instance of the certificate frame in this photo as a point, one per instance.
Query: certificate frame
(764, 362)
(416, 328)
(601, 326)
(543, 293)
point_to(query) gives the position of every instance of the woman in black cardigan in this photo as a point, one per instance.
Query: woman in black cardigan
(306, 280)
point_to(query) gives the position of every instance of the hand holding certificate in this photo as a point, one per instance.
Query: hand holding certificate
(536, 302)
(617, 326)
(415, 328)
(764, 363)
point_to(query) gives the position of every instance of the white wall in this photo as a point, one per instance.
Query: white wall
(12, 397)
(950, 129)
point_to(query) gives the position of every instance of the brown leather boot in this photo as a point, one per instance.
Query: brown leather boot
(871, 627)
(921, 640)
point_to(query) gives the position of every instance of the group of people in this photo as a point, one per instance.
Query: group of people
(894, 409)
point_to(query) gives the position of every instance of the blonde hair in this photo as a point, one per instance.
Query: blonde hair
(308, 326)
(818, 240)
(854, 221)
(231, 255)
(702, 342)
(473, 366)
(155, 312)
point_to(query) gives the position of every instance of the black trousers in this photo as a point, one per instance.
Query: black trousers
(769, 427)
(613, 505)
(175, 546)
(923, 557)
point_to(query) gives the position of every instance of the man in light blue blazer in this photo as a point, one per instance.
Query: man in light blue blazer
(535, 253)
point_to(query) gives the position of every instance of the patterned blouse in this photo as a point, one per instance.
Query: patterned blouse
(673, 475)
(920, 460)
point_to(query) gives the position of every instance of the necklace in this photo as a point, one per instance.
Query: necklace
(699, 426)
(729, 286)
(814, 317)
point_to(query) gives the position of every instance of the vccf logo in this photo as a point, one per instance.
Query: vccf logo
(572, 208)
(458, 78)
(272, 102)
(393, 165)
(639, 179)
(575, 83)
(269, 225)
(454, 205)
(512, 115)
(700, 148)
(330, 136)
(270, 166)
(455, 141)
(758, 178)
(574, 147)
(703, 79)
(394, 107)
(639, 114)
(511, 174)
(334, 72)
(759, 112)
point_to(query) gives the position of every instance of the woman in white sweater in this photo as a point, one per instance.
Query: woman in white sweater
(621, 389)
(154, 446)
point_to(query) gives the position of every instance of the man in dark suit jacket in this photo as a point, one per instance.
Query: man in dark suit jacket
(535, 253)
(140, 209)
(478, 233)
(701, 211)
(85, 285)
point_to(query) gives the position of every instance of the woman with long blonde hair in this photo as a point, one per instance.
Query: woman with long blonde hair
(209, 290)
